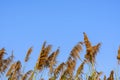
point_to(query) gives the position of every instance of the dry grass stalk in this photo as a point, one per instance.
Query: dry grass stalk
(2, 52)
(18, 66)
(71, 63)
(43, 57)
(79, 70)
(14, 72)
(118, 56)
(95, 76)
(25, 76)
(65, 76)
(91, 51)
(17, 70)
(111, 77)
(86, 41)
(75, 51)
(52, 60)
(96, 48)
(44, 44)
(98, 74)
(68, 73)
(28, 54)
(4, 63)
(31, 76)
(10, 70)
(59, 69)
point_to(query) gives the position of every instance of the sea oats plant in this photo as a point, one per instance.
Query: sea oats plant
(47, 61)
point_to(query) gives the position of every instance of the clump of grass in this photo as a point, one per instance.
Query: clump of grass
(48, 60)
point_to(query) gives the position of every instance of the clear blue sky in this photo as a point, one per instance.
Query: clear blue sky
(26, 23)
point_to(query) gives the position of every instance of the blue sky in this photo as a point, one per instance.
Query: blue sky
(26, 23)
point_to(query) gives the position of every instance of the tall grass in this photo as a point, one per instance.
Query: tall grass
(67, 70)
